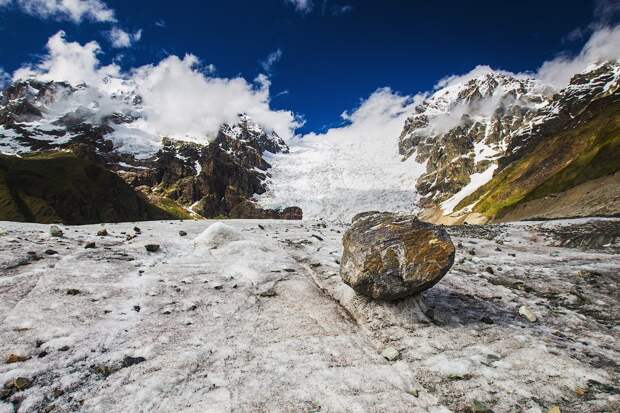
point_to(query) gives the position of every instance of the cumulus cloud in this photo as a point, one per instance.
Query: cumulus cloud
(272, 59)
(180, 96)
(603, 45)
(70, 62)
(119, 38)
(181, 101)
(73, 10)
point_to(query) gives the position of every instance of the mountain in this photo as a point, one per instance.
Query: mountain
(182, 178)
(493, 146)
(499, 146)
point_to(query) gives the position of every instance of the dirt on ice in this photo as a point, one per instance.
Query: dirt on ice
(251, 316)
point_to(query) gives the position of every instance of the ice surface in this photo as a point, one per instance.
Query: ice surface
(235, 322)
(340, 174)
(217, 235)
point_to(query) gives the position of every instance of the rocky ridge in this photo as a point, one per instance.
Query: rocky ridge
(469, 132)
(184, 178)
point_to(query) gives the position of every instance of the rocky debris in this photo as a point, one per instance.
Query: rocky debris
(51, 252)
(129, 361)
(103, 370)
(526, 312)
(73, 291)
(55, 231)
(152, 247)
(182, 233)
(90, 245)
(270, 292)
(250, 210)
(479, 407)
(591, 235)
(102, 232)
(388, 256)
(390, 354)
(16, 358)
(15, 386)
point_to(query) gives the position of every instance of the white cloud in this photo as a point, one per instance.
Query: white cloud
(303, 6)
(326, 8)
(180, 97)
(74, 10)
(119, 38)
(271, 59)
(603, 45)
(338, 10)
(180, 100)
(70, 62)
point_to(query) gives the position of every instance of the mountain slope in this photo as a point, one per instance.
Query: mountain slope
(60, 187)
(497, 141)
(202, 176)
(588, 149)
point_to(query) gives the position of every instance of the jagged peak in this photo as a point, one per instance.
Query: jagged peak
(246, 129)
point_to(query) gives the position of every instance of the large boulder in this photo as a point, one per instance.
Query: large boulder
(388, 256)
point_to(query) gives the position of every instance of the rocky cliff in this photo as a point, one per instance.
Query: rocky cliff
(214, 177)
(497, 144)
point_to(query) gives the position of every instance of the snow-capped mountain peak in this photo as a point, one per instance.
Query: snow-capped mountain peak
(464, 129)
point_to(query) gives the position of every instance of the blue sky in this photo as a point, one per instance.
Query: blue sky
(327, 56)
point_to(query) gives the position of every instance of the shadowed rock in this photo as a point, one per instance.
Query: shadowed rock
(388, 256)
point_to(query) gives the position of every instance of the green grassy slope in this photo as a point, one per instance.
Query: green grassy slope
(52, 187)
(589, 149)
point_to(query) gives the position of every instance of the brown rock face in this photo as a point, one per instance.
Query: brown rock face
(388, 256)
(249, 210)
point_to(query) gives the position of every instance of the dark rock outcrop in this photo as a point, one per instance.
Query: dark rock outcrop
(60, 187)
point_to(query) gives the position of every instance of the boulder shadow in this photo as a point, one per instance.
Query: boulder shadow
(450, 308)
